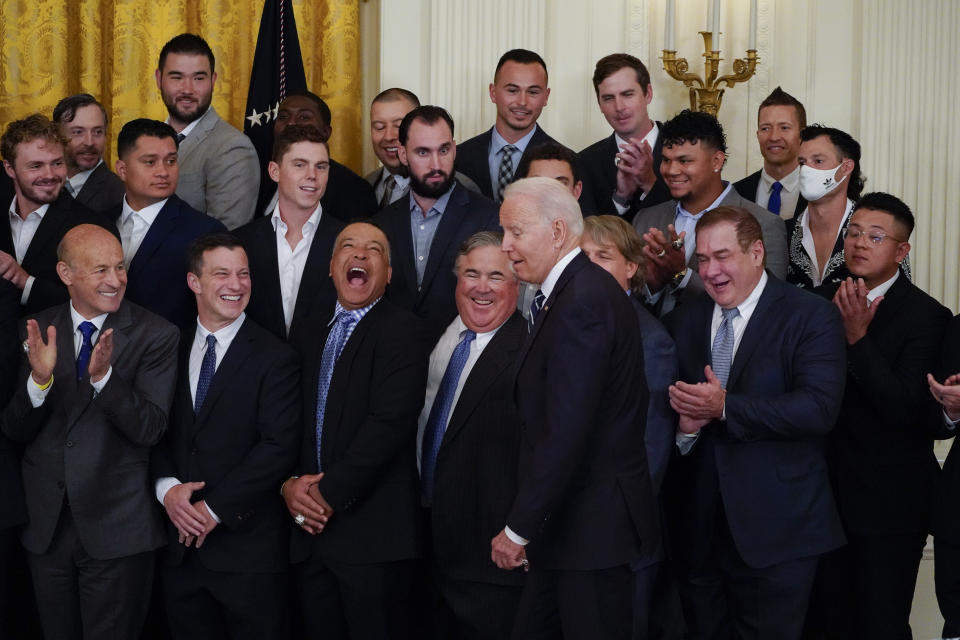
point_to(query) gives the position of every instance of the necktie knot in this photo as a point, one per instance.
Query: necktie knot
(730, 314)
(87, 330)
(773, 204)
(505, 170)
(468, 336)
(180, 137)
(777, 186)
(211, 341)
(507, 149)
(536, 306)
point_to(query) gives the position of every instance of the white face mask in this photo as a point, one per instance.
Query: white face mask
(816, 183)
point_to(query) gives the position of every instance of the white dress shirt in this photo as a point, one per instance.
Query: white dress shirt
(75, 184)
(439, 360)
(789, 194)
(650, 139)
(198, 349)
(22, 232)
(134, 226)
(291, 262)
(806, 240)
(193, 125)
(746, 308)
(36, 394)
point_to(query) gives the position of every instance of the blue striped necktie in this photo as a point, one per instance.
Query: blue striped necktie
(336, 339)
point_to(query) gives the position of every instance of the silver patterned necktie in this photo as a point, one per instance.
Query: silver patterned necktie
(722, 353)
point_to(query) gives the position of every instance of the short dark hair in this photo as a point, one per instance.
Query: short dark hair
(322, 107)
(66, 109)
(879, 201)
(396, 93)
(846, 147)
(209, 242)
(609, 65)
(746, 226)
(136, 129)
(186, 43)
(780, 98)
(548, 151)
(293, 134)
(33, 127)
(521, 56)
(694, 126)
(428, 114)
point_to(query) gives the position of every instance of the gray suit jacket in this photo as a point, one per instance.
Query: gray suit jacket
(375, 178)
(94, 449)
(219, 171)
(774, 242)
(102, 191)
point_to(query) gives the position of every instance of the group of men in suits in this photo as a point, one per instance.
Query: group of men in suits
(473, 433)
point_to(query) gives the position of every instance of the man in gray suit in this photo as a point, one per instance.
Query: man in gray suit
(83, 124)
(219, 169)
(96, 385)
(694, 152)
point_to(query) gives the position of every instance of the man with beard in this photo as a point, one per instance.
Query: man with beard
(219, 169)
(40, 213)
(83, 125)
(426, 229)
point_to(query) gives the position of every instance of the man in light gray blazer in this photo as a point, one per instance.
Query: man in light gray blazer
(219, 169)
(694, 152)
(92, 398)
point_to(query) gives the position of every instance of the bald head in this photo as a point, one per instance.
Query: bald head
(91, 265)
(84, 236)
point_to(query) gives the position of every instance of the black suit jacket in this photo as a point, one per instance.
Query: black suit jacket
(765, 463)
(242, 444)
(584, 498)
(476, 471)
(40, 260)
(316, 296)
(347, 195)
(881, 453)
(747, 188)
(103, 191)
(13, 511)
(157, 277)
(368, 443)
(473, 154)
(598, 170)
(466, 213)
(946, 523)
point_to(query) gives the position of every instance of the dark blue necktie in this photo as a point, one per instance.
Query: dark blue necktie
(535, 307)
(773, 205)
(722, 352)
(207, 368)
(87, 330)
(439, 413)
(331, 351)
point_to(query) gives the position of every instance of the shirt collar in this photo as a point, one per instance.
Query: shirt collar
(356, 313)
(650, 138)
(747, 307)
(805, 221)
(148, 213)
(308, 227)
(190, 127)
(402, 181)
(497, 142)
(551, 280)
(439, 206)
(80, 179)
(881, 289)
(77, 319)
(790, 182)
(713, 205)
(224, 335)
(482, 339)
(42, 211)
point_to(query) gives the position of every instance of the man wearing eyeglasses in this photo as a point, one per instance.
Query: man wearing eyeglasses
(880, 454)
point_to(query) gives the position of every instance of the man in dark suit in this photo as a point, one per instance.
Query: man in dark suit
(233, 436)
(426, 229)
(290, 250)
(584, 509)
(355, 548)
(33, 157)
(621, 174)
(776, 186)
(469, 442)
(95, 390)
(348, 196)
(694, 152)
(83, 125)
(881, 453)
(520, 91)
(156, 227)
(761, 380)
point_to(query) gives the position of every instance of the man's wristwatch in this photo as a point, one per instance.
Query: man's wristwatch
(678, 278)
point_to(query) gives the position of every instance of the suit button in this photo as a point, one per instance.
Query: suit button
(69, 443)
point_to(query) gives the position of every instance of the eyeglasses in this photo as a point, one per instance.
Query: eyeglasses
(876, 238)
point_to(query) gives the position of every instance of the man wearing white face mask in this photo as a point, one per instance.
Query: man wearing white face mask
(831, 182)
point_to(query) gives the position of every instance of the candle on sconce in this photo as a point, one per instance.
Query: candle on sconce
(716, 25)
(669, 28)
(753, 25)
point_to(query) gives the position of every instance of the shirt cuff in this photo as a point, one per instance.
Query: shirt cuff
(517, 539)
(98, 386)
(950, 423)
(36, 394)
(163, 485)
(621, 209)
(213, 515)
(27, 288)
(685, 441)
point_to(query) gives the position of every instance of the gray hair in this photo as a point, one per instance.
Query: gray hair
(477, 241)
(553, 201)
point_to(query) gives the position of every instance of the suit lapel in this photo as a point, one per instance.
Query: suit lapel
(48, 230)
(888, 310)
(480, 163)
(270, 281)
(163, 225)
(578, 263)
(315, 269)
(758, 326)
(93, 184)
(240, 349)
(207, 122)
(450, 221)
(342, 375)
(399, 218)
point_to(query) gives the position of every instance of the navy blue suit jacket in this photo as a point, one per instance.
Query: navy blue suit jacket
(473, 157)
(584, 496)
(157, 277)
(466, 213)
(766, 461)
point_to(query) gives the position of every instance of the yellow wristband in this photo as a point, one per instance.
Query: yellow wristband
(46, 385)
